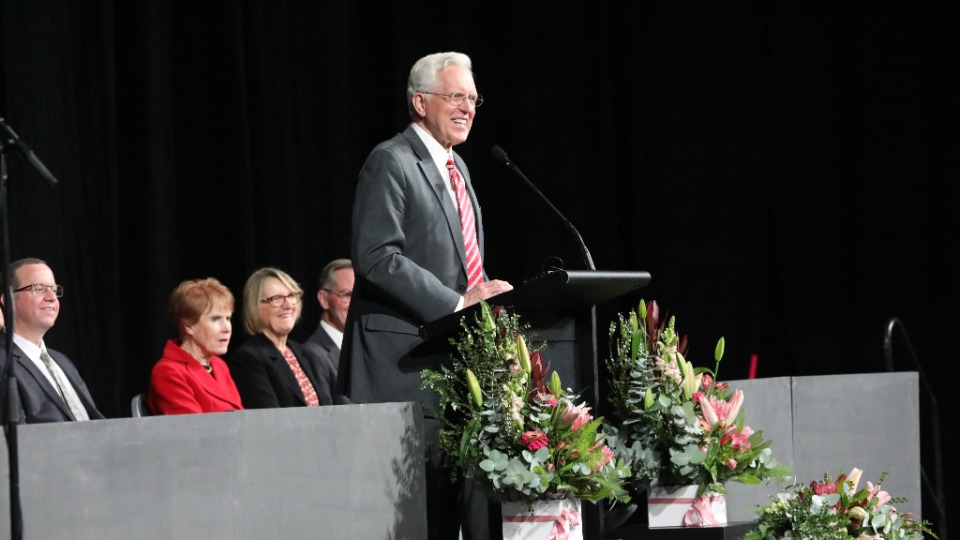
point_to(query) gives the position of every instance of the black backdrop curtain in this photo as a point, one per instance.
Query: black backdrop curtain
(787, 172)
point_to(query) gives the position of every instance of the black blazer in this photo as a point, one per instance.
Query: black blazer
(266, 381)
(39, 400)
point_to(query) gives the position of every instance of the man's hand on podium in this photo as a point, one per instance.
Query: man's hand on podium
(485, 290)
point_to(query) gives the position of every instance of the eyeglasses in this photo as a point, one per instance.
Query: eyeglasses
(40, 288)
(457, 98)
(341, 294)
(278, 300)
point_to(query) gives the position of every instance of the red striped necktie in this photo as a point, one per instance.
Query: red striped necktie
(468, 226)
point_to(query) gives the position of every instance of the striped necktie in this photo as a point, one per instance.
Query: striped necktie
(66, 389)
(468, 227)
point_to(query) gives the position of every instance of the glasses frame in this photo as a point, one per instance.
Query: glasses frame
(456, 98)
(279, 300)
(348, 295)
(42, 288)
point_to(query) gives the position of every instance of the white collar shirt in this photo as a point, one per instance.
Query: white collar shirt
(33, 353)
(335, 335)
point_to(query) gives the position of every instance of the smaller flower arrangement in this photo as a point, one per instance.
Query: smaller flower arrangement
(834, 509)
(674, 424)
(518, 434)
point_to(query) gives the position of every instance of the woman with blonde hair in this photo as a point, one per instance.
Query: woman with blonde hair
(270, 369)
(191, 377)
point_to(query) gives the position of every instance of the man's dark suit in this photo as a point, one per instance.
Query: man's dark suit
(410, 267)
(266, 381)
(327, 354)
(39, 400)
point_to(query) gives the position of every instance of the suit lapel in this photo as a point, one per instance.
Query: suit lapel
(428, 168)
(210, 385)
(283, 369)
(42, 381)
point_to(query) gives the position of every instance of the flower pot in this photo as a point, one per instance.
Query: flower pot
(548, 519)
(679, 506)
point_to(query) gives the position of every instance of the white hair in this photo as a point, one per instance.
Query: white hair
(423, 74)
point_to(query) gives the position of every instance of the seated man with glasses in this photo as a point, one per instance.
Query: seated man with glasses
(336, 288)
(51, 389)
(269, 369)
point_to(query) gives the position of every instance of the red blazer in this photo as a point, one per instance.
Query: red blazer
(180, 385)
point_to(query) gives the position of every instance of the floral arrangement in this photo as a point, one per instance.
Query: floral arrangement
(674, 424)
(836, 510)
(519, 435)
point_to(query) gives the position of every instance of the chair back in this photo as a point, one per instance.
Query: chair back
(139, 407)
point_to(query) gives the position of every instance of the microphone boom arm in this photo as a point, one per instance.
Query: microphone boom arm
(500, 155)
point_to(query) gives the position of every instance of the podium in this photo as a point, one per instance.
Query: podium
(560, 307)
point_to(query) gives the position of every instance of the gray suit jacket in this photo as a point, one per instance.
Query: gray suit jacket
(326, 354)
(39, 400)
(410, 266)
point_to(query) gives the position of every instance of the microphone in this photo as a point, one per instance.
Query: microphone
(501, 156)
(10, 137)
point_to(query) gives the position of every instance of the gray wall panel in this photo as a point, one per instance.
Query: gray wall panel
(352, 471)
(868, 421)
(825, 424)
(766, 403)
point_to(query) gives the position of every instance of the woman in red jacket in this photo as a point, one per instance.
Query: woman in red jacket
(191, 377)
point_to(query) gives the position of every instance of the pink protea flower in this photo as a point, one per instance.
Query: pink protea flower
(534, 440)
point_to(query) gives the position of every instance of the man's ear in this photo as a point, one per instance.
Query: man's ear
(419, 105)
(323, 300)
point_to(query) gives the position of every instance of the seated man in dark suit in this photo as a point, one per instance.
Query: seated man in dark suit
(51, 389)
(336, 288)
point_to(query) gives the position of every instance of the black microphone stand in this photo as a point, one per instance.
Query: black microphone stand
(501, 156)
(10, 399)
(10, 405)
(936, 489)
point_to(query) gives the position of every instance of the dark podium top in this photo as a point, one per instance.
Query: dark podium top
(560, 291)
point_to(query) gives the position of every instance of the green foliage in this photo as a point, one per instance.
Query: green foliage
(672, 423)
(836, 510)
(523, 439)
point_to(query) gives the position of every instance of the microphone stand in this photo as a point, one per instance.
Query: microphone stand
(500, 155)
(10, 406)
(937, 489)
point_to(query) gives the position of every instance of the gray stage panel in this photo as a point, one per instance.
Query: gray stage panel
(868, 421)
(767, 407)
(353, 471)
